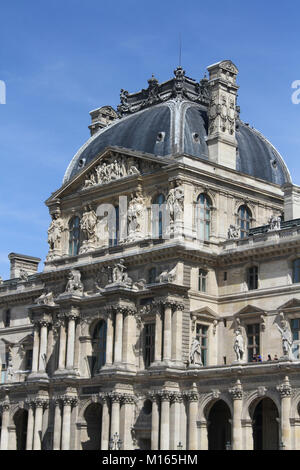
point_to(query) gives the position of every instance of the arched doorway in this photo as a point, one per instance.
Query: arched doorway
(219, 426)
(20, 421)
(265, 425)
(91, 438)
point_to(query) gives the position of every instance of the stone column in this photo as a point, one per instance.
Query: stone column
(77, 345)
(237, 396)
(62, 345)
(192, 398)
(30, 426)
(109, 339)
(68, 402)
(36, 348)
(247, 426)
(203, 441)
(158, 336)
(5, 423)
(105, 424)
(71, 342)
(155, 422)
(285, 391)
(128, 403)
(175, 415)
(177, 333)
(167, 331)
(43, 346)
(38, 423)
(118, 336)
(57, 424)
(165, 421)
(116, 399)
(129, 338)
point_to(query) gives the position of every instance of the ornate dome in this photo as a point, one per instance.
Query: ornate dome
(170, 119)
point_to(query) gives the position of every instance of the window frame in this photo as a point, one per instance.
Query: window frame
(74, 240)
(204, 217)
(204, 348)
(244, 221)
(149, 346)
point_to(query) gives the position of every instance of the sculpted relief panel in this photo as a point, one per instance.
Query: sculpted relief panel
(114, 168)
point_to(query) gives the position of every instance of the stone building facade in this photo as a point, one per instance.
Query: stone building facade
(167, 314)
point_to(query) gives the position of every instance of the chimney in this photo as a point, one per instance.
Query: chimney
(102, 117)
(20, 264)
(291, 201)
(221, 139)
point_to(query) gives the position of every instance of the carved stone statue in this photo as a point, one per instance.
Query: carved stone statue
(88, 225)
(274, 223)
(239, 347)
(168, 276)
(175, 200)
(74, 284)
(195, 354)
(46, 298)
(54, 232)
(233, 232)
(135, 215)
(23, 275)
(286, 337)
(119, 274)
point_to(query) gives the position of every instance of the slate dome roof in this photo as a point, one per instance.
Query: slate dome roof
(180, 126)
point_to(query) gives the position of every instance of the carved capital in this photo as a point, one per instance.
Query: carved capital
(285, 388)
(165, 395)
(40, 402)
(69, 400)
(115, 397)
(192, 396)
(176, 397)
(128, 399)
(237, 392)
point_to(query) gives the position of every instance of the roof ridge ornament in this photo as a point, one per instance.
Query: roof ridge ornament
(179, 87)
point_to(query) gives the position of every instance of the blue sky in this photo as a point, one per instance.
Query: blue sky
(60, 59)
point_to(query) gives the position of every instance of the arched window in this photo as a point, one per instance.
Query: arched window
(74, 236)
(203, 217)
(157, 216)
(114, 235)
(99, 346)
(296, 270)
(244, 220)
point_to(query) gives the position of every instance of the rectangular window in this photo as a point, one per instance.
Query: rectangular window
(202, 284)
(202, 337)
(149, 343)
(253, 278)
(295, 328)
(296, 271)
(253, 333)
(28, 359)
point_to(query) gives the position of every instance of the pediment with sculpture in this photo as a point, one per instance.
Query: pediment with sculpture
(115, 167)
